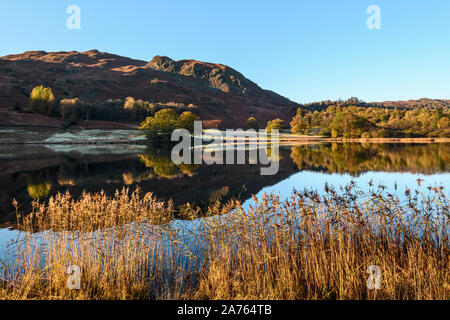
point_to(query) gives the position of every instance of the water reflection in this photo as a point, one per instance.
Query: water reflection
(356, 158)
(43, 172)
(39, 184)
(162, 165)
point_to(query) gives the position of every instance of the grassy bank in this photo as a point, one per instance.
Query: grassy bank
(309, 247)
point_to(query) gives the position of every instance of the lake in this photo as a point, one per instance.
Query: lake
(30, 172)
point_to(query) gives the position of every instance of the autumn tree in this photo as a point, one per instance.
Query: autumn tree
(130, 103)
(300, 124)
(348, 125)
(160, 127)
(43, 101)
(275, 124)
(443, 123)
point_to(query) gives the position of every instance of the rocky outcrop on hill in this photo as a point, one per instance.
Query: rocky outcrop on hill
(216, 76)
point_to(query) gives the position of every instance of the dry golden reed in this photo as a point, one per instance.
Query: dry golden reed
(311, 246)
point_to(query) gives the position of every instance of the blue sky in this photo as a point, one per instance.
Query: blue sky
(304, 50)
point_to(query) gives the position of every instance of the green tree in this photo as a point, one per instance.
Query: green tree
(186, 121)
(160, 127)
(300, 123)
(164, 122)
(43, 101)
(252, 123)
(348, 125)
(275, 124)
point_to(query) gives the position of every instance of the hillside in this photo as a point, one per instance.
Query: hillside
(415, 104)
(218, 92)
(423, 103)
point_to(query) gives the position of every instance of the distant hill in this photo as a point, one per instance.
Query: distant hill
(420, 103)
(408, 104)
(219, 92)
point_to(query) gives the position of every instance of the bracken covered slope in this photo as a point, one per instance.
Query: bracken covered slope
(220, 92)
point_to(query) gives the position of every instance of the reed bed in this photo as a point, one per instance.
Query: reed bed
(311, 246)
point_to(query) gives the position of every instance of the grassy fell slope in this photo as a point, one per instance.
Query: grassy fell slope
(220, 92)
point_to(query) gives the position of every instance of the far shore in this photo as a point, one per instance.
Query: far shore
(370, 140)
(26, 135)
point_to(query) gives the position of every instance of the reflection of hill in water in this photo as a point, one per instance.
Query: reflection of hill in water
(46, 173)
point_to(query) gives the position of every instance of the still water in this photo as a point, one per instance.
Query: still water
(38, 172)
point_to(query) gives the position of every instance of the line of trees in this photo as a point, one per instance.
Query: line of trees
(277, 124)
(352, 118)
(43, 101)
(372, 122)
(431, 104)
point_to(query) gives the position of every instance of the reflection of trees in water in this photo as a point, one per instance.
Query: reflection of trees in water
(355, 158)
(352, 158)
(68, 174)
(162, 165)
(274, 156)
(219, 194)
(74, 172)
(39, 184)
(135, 177)
(188, 169)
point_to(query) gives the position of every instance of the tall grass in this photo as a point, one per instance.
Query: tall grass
(311, 246)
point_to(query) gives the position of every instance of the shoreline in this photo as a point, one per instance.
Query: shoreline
(281, 142)
(26, 135)
(389, 140)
